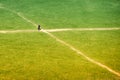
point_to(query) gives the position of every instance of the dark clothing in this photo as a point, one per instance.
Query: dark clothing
(39, 28)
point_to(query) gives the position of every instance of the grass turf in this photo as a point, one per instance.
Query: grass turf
(11, 21)
(37, 56)
(69, 13)
(102, 46)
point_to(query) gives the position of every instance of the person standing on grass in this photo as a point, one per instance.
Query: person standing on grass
(39, 27)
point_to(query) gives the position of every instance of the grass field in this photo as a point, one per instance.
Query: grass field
(37, 56)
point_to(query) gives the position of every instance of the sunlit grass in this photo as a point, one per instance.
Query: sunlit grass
(69, 13)
(11, 21)
(37, 56)
(102, 46)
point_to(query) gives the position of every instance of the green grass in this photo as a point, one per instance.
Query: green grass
(103, 46)
(37, 56)
(11, 21)
(69, 13)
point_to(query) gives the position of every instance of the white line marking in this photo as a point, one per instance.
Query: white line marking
(55, 30)
(74, 49)
(82, 54)
(59, 30)
(29, 21)
(16, 31)
(2, 7)
(81, 29)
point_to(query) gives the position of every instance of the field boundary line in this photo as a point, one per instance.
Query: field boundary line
(16, 31)
(18, 15)
(82, 54)
(56, 30)
(81, 29)
(59, 30)
(76, 50)
(73, 48)
(29, 21)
